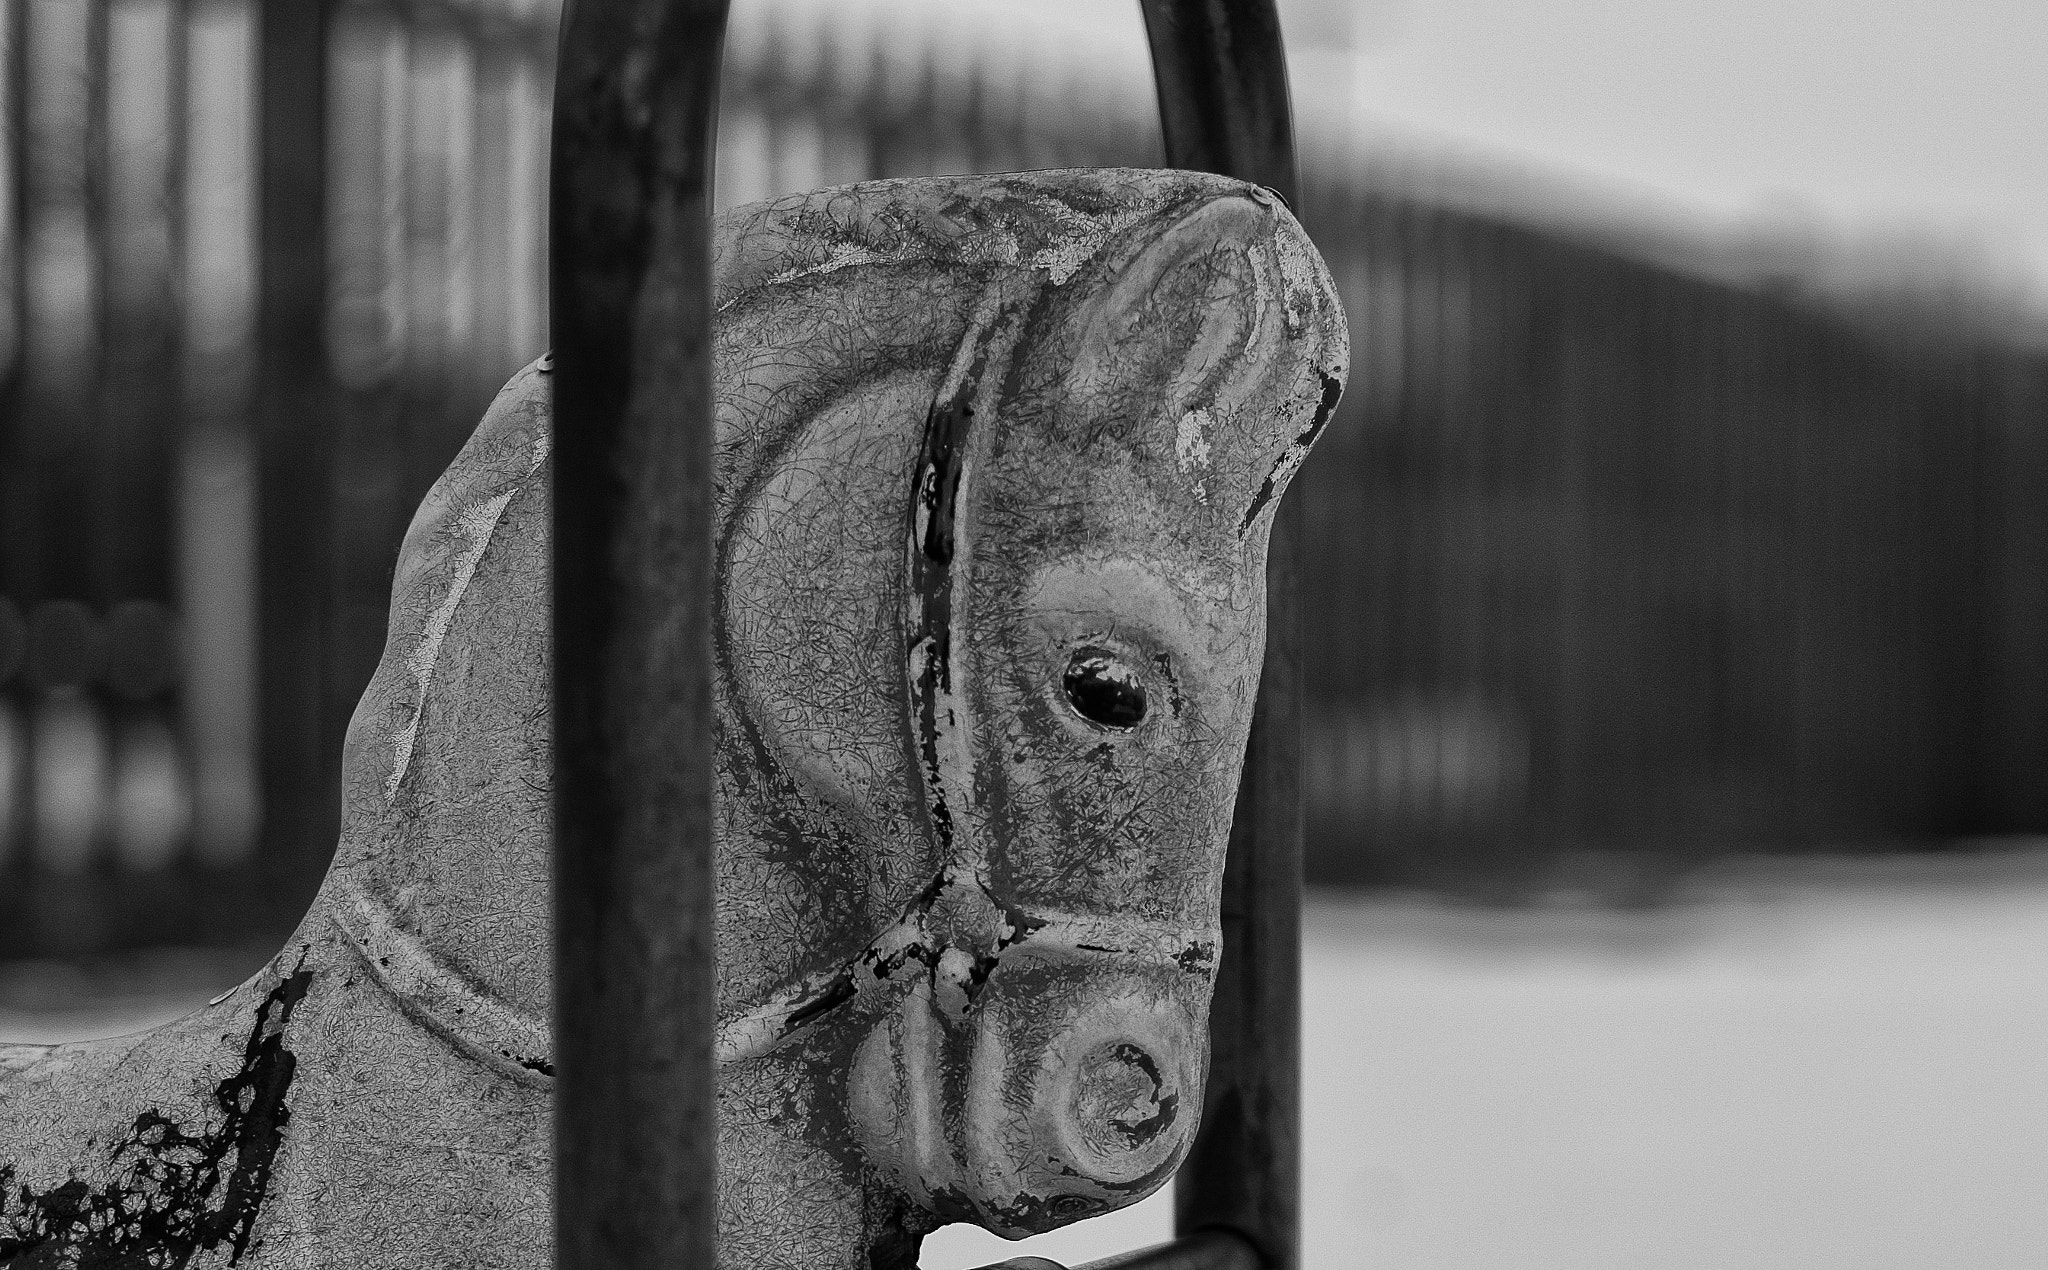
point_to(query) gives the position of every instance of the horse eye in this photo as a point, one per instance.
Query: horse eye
(1102, 689)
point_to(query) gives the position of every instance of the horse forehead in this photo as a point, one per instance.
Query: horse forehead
(1053, 222)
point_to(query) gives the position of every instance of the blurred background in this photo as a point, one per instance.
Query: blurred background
(1677, 592)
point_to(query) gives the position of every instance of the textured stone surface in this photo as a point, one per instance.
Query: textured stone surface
(995, 455)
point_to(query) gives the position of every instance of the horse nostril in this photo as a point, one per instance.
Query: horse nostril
(1121, 1102)
(1096, 1100)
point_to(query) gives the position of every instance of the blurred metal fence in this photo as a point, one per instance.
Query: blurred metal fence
(1604, 555)
(126, 589)
(1625, 561)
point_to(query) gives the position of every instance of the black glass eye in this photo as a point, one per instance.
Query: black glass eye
(1104, 690)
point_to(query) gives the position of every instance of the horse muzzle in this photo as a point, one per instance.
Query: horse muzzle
(1068, 1085)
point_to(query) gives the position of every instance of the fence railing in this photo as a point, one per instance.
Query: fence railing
(1600, 554)
(1621, 559)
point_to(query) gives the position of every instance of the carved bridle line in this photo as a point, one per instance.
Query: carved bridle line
(908, 947)
(509, 1041)
(937, 543)
(518, 1045)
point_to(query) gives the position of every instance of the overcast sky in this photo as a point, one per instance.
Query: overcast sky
(1868, 116)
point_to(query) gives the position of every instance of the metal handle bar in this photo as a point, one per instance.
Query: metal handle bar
(1206, 1250)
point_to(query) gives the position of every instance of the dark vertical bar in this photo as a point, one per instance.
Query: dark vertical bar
(635, 1159)
(1224, 108)
(2014, 474)
(144, 57)
(103, 519)
(1222, 79)
(298, 723)
(14, 502)
(1399, 580)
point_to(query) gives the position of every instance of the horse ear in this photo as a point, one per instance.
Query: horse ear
(1211, 354)
(1182, 312)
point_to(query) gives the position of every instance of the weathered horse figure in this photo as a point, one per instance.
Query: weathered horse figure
(997, 457)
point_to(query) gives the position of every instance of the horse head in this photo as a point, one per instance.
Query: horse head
(993, 623)
(996, 462)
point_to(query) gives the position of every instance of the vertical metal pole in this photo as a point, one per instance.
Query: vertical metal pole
(1223, 104)
(635, 1158)
(300, 744)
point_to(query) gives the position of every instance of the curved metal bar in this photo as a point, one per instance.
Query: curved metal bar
(1221, 73)
(1223, 104)
(635, 103)
(1204, 1250)
(1207, 1250)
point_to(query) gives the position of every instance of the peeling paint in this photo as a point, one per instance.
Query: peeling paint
(1303, 277)
(176, 1190)
(1191, 448)
(1062, 260)
(1262, 297)
(475, 523)
(843, 256)
(1296, 452)
(1042, 232)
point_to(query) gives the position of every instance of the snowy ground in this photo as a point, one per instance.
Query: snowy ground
(1795, 1070)
(1845, 1070)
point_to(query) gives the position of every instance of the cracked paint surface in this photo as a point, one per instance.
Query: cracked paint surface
(169, 1193)
(995, 464)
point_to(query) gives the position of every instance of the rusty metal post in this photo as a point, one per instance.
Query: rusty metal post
(635, 1159)
(1210, 1249)
(1223, 104)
